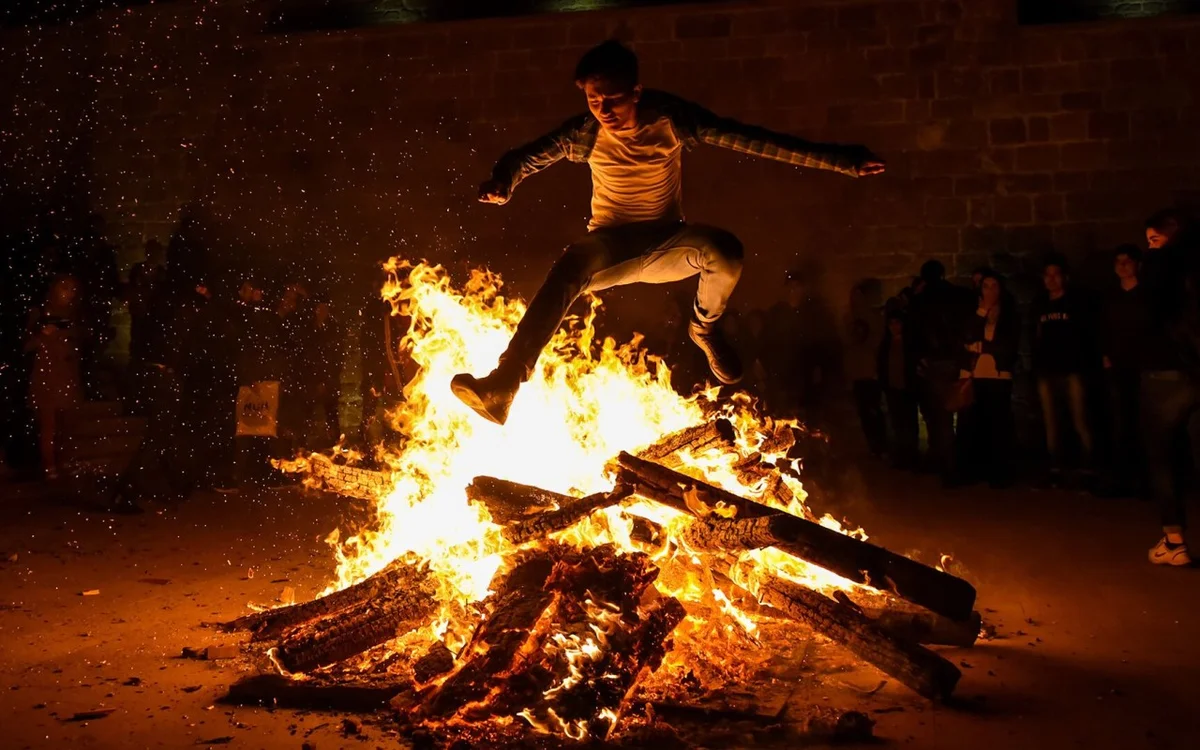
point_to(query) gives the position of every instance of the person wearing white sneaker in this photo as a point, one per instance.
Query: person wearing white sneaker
(1170, 378)
(1168, 552)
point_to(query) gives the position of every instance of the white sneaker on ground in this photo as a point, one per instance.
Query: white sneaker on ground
(1165, 553)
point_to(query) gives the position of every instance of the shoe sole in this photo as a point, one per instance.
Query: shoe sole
(468, 396)
(1171, 563)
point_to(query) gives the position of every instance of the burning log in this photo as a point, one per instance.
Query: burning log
(510, 502)
(397, 575)
(594, 642)
(757, 525)
(518, 603)
(544, 524)
(355, 629)
(918, 668)
(715, 433)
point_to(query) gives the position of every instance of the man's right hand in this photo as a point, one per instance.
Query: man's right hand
(494, 191)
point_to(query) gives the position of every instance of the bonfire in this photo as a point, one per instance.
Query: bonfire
(614, 543)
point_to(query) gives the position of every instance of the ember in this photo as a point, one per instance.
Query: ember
(527, 579)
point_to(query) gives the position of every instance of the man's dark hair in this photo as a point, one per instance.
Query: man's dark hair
(1166, 221)
(1056, 259)
(610, 60)
(933, 270)
(1133, 251)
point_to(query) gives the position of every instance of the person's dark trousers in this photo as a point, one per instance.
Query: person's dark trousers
(939, 378)
(1124, 407)
(867, 398)
(1168, 401)
(902, 413)
(986, 434)
(152, 472)
(1066, 391)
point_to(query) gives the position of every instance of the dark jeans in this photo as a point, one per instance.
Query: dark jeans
(986, 432)
(1169, 399)
(867, 397)
(1128, 454)
(1059, 391)
(646, 252)
(902, 413)
(939, 378)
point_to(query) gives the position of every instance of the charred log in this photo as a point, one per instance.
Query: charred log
(277, 691)
(918, 626)
(437, 661)
(543, 524)
(757, 525)
(272, 622)
(716, 433)
(357, 628)
(918, 668)
(519, 601)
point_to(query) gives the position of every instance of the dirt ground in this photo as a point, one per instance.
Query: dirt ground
(1095, 648)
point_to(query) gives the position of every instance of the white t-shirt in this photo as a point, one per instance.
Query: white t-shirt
(636, 176)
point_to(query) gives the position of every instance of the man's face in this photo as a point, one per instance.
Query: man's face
(895, 326)
(1053, 278)
(613, 104)
(1125, 267)
(1156, 239)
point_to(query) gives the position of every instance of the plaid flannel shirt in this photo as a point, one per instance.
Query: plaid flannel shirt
(693, 124)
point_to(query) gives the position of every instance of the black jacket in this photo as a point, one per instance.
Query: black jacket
(1006, 340)
(910, 361)
(1064, 334)
(935, 321)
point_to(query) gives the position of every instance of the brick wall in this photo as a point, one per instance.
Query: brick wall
(340, 148)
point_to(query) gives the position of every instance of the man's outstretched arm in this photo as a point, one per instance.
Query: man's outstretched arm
(529, 159)
(853, 160)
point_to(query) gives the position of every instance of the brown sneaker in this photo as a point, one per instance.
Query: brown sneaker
(490, 397)
(723, 359)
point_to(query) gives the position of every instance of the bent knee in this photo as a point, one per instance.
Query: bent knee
(722, 246)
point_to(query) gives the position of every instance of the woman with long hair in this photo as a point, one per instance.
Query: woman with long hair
(992, 336)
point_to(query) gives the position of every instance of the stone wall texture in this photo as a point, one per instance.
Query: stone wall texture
(336, 149)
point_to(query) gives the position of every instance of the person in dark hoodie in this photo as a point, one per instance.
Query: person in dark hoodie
(1170, 378)
(986, 431)
(259, 368)
(1124, 327)
(1064, 353)
(898, 378)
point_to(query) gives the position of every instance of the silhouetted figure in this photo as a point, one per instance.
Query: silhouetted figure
(324, 349)
(1126, 326)
(898, 376)
(934, 321)
(863, 330)
(95, 265)
(147, 280)
(1170, 394)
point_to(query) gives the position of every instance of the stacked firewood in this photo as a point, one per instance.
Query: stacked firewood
(566, 633)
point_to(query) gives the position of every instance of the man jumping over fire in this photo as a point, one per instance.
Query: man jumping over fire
(632, 140)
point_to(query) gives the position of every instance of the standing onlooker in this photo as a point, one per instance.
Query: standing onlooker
(323, 354)
(986, 431)
(1064, 354)
(935, 324)
(1125, 327)
(1170, 393)
(145, 281)
(259, 368)
(96, 268)
(56, 382)
(898, 376)
(863, 331)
